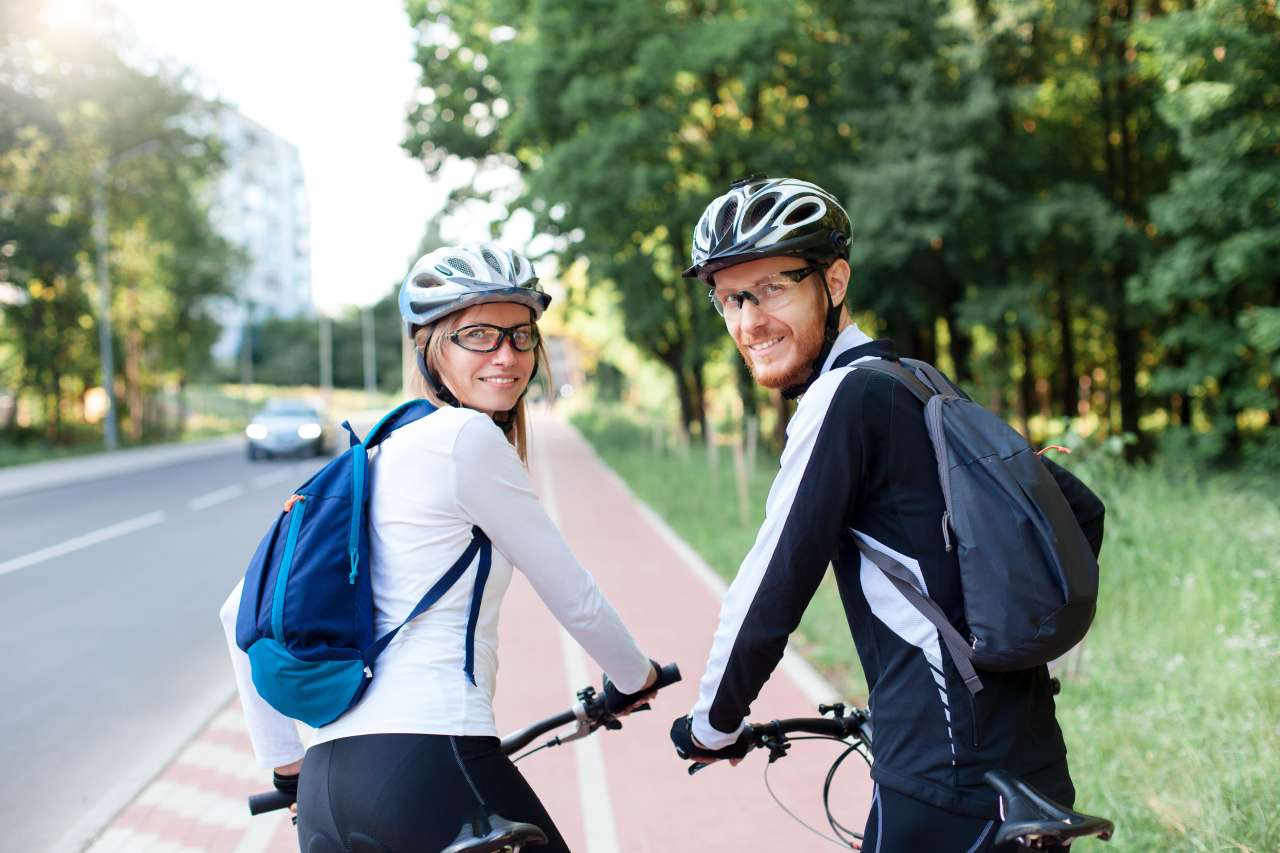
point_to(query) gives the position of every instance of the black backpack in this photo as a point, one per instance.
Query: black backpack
(1027, 574)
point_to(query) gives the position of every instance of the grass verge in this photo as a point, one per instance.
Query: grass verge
(1171, 712)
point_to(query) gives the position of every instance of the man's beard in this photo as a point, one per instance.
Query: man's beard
(808, 343)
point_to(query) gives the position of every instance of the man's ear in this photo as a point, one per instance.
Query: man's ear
(838, 280)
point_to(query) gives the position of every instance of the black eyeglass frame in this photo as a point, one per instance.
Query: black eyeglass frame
(504, 333)
(796, 276)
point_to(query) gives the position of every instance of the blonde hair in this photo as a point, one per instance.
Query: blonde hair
(430, 340)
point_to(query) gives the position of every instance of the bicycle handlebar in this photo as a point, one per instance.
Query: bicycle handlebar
(856, 723)
(269, 801)
(589, 712)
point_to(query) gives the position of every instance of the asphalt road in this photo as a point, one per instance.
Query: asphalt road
(111, 655)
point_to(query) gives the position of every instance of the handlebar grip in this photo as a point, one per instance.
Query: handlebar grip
(269, 801)
(667, 675)
(698, 765)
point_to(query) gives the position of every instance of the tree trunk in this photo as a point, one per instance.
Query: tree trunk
(746, 388)
(960, 345)
(1069, 383)
(1026, 385)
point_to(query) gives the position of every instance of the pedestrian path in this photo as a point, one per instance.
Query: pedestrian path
(614, 792)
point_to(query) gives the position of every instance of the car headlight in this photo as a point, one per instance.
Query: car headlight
(309, 431)
(256, 431)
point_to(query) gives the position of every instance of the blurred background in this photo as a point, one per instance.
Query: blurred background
(1071, 206)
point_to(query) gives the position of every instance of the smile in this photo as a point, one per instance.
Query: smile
(498, 380)
(764, 345)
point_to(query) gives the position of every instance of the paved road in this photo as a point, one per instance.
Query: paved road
(112, 657)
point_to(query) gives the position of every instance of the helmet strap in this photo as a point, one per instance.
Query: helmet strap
(830, 331)
(436, 385)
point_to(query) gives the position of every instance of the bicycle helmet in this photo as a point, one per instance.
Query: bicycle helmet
(762, 217)
(453, 278)
(456, 277)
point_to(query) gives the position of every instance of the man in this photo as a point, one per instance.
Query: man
(858, 462)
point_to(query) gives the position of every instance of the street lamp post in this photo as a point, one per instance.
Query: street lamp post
(106, 353)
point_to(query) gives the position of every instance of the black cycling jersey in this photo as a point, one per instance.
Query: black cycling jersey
(859, 462)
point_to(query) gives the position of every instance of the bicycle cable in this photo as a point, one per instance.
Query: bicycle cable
(525, 755)
(837, 840)
(842, 832)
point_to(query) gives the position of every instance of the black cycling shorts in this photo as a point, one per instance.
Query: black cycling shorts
(901, 824)
(405, 793)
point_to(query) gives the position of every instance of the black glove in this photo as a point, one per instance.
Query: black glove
(615, 701)
(688, 749)
(286, 784)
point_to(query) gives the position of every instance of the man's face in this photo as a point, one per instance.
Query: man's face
(779, 346)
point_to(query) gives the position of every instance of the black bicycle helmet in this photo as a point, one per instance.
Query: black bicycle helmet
(762, 217)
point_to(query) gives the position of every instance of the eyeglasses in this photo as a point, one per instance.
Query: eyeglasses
(769, 294)
(485, 337)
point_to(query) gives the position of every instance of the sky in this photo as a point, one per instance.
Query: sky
(334, 79)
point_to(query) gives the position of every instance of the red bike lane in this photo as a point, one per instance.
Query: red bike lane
(613, 792)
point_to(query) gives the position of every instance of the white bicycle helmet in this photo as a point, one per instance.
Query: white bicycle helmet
(762, 217)
(456, 277)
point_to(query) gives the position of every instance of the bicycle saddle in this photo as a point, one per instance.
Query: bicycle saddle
(493, 833)
(1034, 820)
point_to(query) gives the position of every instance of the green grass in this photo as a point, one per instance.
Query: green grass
(1171, 712)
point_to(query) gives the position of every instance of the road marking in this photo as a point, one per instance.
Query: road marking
(71, 545)
(264, 480)
(216, 497)
(593, 784)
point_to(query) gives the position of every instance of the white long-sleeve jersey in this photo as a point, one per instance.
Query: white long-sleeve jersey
(430, 482)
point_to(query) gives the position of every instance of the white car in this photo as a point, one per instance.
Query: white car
(286, 428)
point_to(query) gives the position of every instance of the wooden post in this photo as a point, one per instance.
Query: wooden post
(740, 478)
(712, 457)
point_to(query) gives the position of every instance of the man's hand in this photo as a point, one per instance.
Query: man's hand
(688, 747)
(619, 704)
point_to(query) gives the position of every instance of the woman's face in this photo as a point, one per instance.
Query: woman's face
(488, 382)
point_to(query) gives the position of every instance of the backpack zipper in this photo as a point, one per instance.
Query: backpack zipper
(296, 512)
(358, 461)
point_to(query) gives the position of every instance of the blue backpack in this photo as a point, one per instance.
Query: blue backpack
(306, 613)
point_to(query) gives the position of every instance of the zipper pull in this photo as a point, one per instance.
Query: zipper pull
(368, 672)
(946, 536)
(355, 561)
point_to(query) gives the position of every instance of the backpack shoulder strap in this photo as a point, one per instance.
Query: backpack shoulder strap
(405, 413)
(914, 383)
(936, 377)
(960, 651)
(479, 544)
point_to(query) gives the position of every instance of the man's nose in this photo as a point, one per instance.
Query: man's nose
(750, 315)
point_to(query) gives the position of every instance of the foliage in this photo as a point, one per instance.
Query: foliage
(287, 351)
(1070, 205)
(81, 124)
(1170, 711)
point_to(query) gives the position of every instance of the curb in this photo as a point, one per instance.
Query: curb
(39, 476)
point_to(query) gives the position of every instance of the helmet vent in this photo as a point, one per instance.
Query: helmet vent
(801, 214)
(727, 213)
(492, 260)
(759, 211)
(461, 266)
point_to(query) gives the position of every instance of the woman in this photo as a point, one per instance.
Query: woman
(406, 766)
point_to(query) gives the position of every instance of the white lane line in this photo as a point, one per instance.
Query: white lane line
(122, 529)
(812, 684)
(593, 784)
(264, 480)
(216, 497)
